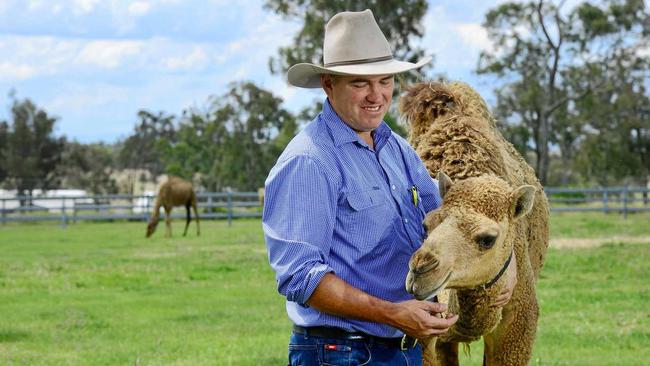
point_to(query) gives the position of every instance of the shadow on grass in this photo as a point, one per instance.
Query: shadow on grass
(8, 336)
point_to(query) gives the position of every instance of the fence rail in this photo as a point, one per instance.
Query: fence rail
(621, 200)
(211, 205)
(232, 205)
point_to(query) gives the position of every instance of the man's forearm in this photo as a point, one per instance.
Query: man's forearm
(335, 296)
(415, 318)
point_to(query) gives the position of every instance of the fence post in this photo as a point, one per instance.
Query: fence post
(64, 219)
(4, 212)
(605, 201)
(230, 214)
(625, 192)
(147, 213)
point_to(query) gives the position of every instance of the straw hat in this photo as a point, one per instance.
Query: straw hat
(354, 45)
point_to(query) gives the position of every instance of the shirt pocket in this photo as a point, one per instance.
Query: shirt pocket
(368, 216)
(364, 199)
(413, 209)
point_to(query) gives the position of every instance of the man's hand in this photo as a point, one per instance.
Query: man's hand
(421, 319)
(511, 282)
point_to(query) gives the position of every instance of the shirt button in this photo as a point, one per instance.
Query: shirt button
(393, 187)
(406, 221)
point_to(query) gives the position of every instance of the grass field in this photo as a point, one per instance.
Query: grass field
(102, 294)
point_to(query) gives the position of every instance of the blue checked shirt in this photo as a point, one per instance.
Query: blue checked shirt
(332, 204)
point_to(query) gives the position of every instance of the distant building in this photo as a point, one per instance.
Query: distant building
(6, 201)
(52, 201)
(137, 181)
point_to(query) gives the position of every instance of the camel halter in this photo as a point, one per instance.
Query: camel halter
(486, 286)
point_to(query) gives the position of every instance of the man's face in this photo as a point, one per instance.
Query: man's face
(360, 101)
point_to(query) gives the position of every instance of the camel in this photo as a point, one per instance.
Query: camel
(494, 208)
(174, 192)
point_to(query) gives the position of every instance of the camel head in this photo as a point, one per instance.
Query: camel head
(151, 227)
(469, 238)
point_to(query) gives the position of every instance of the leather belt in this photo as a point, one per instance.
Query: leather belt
(402, 343)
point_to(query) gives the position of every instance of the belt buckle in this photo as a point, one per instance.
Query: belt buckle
(407, 342)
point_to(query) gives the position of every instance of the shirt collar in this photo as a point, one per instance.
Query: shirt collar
(342, 133)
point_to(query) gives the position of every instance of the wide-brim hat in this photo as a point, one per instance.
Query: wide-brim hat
(353, 45)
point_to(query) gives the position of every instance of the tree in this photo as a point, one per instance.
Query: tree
(200, 139)
(4, 138)
(257, 128)
(142, 150)
(88, 167)
(549, 58)
(401, 22)
(232, 144)
(616, 147)
(32, 151)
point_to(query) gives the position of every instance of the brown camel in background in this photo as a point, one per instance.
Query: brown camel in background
(174, 192)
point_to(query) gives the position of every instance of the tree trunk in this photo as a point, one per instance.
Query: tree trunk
(542, 150)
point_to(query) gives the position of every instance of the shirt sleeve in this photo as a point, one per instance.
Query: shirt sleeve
(298, 222)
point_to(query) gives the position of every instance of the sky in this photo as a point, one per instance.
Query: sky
(94, 64)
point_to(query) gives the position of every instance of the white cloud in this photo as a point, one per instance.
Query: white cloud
(27, 57)
(232, 49)
(473, 35)
(108, 54)
(56, 9)
(36, 5)
(84, 97)
(82, 7)
(139, 8)
(251, 52)
(455, 41)
(195, 60)
(10, 71)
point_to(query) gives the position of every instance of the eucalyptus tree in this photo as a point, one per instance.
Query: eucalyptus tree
(32, 151)
(4, 133)
(143, 149)
(233, 142)
(550, 57)
(257, 130)
(88, 167)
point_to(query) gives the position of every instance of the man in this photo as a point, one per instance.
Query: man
(343, 212)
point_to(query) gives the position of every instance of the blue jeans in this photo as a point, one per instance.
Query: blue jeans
(315, 351)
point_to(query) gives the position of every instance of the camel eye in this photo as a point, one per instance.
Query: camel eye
(486, 241)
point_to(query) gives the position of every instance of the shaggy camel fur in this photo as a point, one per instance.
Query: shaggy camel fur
(174, 192)
(482, 221)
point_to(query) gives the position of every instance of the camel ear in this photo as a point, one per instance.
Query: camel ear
(444, 183)
(522, 201)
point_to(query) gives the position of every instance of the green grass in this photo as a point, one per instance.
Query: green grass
(599, 225)
(102, 294)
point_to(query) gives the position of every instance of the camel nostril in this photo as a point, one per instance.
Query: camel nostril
(410, 283)
(425, 264)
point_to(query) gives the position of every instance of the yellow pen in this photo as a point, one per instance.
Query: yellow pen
(414, 192)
